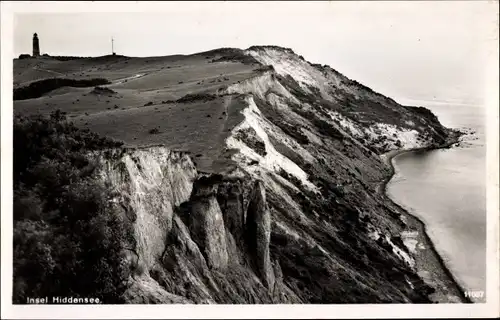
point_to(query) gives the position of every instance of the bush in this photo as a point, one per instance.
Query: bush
(252, 140)
(294, 180)
(67, 238)
(327, 129)
(271, 113)
(103, 90)
(38, 88)
(323, 127)
(264, 68)
(237, 56)
(154, 131)
(196, 97)
(68, 58)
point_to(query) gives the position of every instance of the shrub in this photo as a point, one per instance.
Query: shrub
(154, 131)
(271, 113)
(294, 180)
(264, 68)
(327, 129)
(67, 238)
(38, 88)
(252, 140)
(195, 97)
(237, 56)
(103, 90)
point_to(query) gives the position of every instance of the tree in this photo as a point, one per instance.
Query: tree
(67, 239)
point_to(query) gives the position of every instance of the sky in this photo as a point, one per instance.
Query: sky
(423, 50)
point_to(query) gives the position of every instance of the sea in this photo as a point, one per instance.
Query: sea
(446, 189)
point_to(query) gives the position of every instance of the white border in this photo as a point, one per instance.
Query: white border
(489, 309)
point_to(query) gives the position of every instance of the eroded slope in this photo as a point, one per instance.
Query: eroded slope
(277, 200)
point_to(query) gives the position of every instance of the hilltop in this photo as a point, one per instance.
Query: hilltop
(248, 176)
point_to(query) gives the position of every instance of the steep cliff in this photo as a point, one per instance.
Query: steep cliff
(297, 216)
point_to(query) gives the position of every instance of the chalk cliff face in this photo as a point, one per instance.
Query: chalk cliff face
(298, 220)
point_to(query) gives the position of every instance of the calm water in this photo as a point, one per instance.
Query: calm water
(447, 190)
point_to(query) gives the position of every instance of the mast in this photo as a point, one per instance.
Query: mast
(112, 46)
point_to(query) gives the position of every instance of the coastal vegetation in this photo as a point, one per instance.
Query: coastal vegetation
(66, 237)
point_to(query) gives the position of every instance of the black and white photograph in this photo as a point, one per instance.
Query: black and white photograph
(337, 155)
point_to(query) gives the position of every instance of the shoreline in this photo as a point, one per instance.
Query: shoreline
(417, 224)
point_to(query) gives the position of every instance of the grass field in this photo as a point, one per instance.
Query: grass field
(141, 109)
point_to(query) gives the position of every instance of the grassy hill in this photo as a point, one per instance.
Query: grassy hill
(144, 91)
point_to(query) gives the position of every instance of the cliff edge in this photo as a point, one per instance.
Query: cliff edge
(262, 188)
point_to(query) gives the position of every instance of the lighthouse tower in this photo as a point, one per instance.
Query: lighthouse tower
(36, 46)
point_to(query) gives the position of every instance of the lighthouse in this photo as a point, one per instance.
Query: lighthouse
(36, 46)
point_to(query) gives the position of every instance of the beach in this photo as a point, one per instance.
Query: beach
(428, 263)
